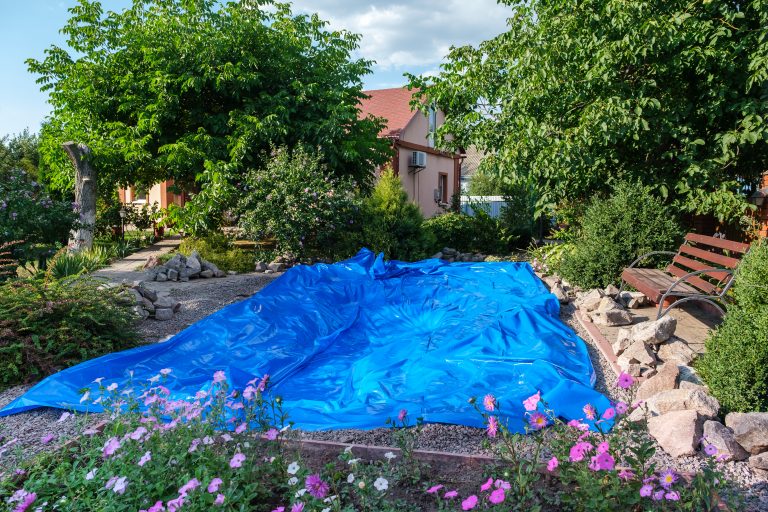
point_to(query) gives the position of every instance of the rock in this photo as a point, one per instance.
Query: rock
(590, 300)
(611, 291)
(269, 271)
(206, 274)
(648, 372)
(161, 277)
(684, 399)
(152, 261)
(176, 307)
(147, 293)
(684, 384)
(551, 281)
(231, 273)
(676, 351)
(750, 430)
(207, 265)
(260, 266)
(193, 263)
(136, 294)
(612, 317)
(632, 300)
(655, 331)
(634, 369)
(147, 304)
(638, 414)
(664, 380)
(560, 293)
(678, 432)
(163, 314)
(173, 275)
(178, 262)
(759, 461)
(142, 313)
(186, 273)
(447, 251)
(276, 266)
(220, 273)
(437, 256)
(165, 302)
(622, 342)
(688, 374)
(637, 352)
(723, 439)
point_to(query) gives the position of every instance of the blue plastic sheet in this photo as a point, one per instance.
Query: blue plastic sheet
(350, 344)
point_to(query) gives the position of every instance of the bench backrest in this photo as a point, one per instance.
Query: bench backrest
(700, 252)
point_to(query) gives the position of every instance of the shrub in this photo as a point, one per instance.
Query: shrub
(49, 325)
(296, 200)
(735, 364)
(391, 223)
(65, 263)
(27, 213)
(220, 250)
(615, 231)
(465, 233)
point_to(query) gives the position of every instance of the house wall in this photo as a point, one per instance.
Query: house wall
(159, 194)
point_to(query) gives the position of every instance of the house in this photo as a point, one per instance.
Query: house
(430, 176)
(469, 167)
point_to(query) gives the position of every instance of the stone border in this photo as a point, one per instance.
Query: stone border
(600, 341)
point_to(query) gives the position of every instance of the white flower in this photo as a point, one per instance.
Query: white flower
(226, 437)
(98, 381)
(285, 428)
(85, 396)
(353, 461)
(382, 484)
(208, 440)
(165, 371)
(361, 484)
(91, 474)
(390, 455)
(63, 417)
(330, 499)
(112, 386)
(154, 379)
(300, 493)
(348, 449)
(350, 478)
(120, 485)
(293, 480)
(293, 468)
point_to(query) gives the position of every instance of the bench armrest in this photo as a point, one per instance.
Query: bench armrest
(644, 256)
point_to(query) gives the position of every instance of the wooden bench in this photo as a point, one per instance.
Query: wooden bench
(701, 270)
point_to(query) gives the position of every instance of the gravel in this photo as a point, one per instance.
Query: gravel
(21, 433)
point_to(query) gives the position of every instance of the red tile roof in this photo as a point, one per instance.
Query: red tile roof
(391, 104)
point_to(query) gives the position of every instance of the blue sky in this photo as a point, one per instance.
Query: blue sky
(402, 36)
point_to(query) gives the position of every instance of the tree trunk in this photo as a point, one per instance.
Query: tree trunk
(85, 194)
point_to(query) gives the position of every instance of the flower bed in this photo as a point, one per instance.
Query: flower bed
(222, 450)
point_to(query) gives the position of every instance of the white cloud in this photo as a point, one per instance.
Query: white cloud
(406, 35)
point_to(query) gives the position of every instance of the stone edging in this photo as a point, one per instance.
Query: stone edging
(602, 343)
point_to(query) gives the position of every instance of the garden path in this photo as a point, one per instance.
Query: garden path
(128, 268)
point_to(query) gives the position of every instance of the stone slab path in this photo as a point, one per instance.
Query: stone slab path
(129, 268)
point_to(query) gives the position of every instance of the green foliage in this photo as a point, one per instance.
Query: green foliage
(465, 233)
(735, 364)
(220, 250)
(198, 92)
(64, 263)
(392, 224)
(19, 152)
(295, 200)
(617, 230)
(578, 95)
(27, 213)
(48, 325)
(485, 184)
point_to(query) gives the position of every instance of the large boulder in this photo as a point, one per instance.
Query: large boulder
(633, 300)
(163, 314)
(654, 332)
(590, 300)
(684, 399)
(689, 374)
(750, 430)
(611, 317)
(260, 266)
(676, 351)
(560, 293)
(611, 291)
(722, 438)
(677, 432)
(637, 352)
(664, 380)
(177, 262)
(193, 264)
(759, 461)
(623, 340)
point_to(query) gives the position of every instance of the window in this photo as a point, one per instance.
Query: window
(140, 194)
(432, 126)
(442, 187)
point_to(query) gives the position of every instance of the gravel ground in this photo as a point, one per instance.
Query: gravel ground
(20, 435)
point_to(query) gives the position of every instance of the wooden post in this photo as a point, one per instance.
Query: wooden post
(85, 194)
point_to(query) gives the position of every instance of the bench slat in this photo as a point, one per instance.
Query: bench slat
(698, 265)
(694, 281)
(719, 259)
(720, 243)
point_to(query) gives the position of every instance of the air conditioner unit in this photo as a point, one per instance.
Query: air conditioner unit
(419, 159)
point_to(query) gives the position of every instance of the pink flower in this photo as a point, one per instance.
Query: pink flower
(537, 421)
(401, 415)
(27, 502)
(625, 381)
(145, 458)
(502, 484)
(279, 509)
(603, 462)
(658, 495)
(626, 475)
(489, 402)
(552, 464)
(272, 434)
(157, 507)
(646, 490)
(46, 438)
(174, 505)
(603, 447)
(214, 485)
(165, 371)
(450, 495)
(493, 426)
(263, 382)
(672, 496)
(609, 413)
(579, 450)
(316, 487)
(487, 485)
(219, 499)
(497, 496)
(189, 486)
(237, 460)
(710, 450)
(434, 489)
(469, 503)
(138, 433)
(667, 478)
(120, 485)
(297, 507)
(532, 402)
(241, 428)
(249, 392)
(621, 408)
(578, 425)
(219, 376)
(110, 447)
(589, 411)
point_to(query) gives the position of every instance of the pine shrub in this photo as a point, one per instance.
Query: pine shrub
(735, 364)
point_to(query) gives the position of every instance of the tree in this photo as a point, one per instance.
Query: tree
(19, 152)
(579, 95)
(198, 91)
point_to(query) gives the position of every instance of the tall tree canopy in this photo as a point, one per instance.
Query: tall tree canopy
(579, 94)
(198, 91)
(19, 152)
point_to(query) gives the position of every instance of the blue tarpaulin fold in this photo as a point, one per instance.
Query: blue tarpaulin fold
(348, 345)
